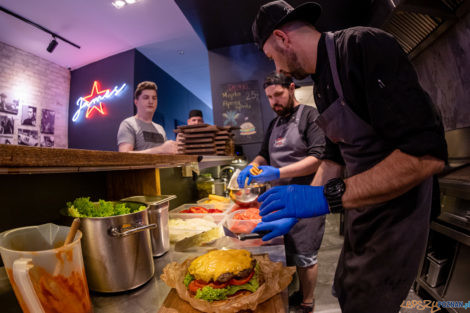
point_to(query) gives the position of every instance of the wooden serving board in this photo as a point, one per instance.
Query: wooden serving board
(173, 301)
(197, 145)
(197, 140)
(200, 129)
(200, 135)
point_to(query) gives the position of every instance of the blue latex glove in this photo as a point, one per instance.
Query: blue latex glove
(299, 201)
(243, 175)
(269, 173)
(276, 228)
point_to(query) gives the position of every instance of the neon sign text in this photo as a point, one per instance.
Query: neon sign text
(94, 100)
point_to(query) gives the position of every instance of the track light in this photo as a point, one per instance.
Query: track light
(52, 45)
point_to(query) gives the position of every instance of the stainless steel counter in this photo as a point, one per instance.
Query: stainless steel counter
(150, 297)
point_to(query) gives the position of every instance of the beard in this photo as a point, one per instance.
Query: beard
(286, 110)
(294, 68)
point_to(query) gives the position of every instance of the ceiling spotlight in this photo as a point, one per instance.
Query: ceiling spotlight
(119, 4)
(131, 1)
(52, 45)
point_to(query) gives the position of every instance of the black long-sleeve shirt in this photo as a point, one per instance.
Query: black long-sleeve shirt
(381, 86)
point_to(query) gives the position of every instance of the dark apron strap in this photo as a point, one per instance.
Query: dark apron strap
(330, 48)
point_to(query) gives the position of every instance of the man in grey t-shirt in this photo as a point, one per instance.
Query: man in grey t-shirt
(138, 133)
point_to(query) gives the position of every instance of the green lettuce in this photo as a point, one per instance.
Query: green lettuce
(187, 279)
(83, 207)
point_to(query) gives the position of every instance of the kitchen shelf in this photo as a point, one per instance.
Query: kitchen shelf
(30, 160)
(214, 160)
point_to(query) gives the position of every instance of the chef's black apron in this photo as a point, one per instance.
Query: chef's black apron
(383, 244)
(287, 146)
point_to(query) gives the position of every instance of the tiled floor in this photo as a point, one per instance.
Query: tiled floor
(327, 261)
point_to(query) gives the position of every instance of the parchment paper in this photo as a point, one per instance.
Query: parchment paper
(274, 277)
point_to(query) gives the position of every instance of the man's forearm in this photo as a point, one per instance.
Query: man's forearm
(259, 160)
(327, 170)
(396, 174)
(304, 167)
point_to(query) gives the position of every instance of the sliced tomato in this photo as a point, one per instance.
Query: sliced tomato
(198, 209)
(194, 286)
(242, 281)
(214, 211)
(216, 285)
(198, 284)
(186, 211)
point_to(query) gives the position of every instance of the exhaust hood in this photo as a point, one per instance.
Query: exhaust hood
(416, 23)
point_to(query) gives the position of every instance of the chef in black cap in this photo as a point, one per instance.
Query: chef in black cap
(385, 143)
(195, 117)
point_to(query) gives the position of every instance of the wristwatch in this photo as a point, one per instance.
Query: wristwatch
(333, 191)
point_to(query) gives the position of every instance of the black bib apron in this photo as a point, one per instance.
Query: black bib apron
(383, 244)
(286, 146)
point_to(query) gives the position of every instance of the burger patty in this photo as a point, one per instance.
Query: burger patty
(225, 277)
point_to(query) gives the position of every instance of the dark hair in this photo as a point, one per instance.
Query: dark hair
(276, 78)
(144, 86)
(194, 113)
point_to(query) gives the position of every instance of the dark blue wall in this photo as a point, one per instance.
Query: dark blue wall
(99, 131)
(174, 100)
(130, 67)
(240, 63)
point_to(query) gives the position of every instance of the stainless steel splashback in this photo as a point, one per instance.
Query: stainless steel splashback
(458, 144)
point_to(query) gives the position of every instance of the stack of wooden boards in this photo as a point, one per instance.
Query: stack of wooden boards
(205, 139)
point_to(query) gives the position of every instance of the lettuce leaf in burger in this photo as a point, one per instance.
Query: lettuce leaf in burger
(220, 274)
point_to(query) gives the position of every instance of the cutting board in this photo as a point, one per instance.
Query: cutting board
(173, 301)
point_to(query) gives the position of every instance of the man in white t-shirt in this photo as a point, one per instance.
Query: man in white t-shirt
(138, 133)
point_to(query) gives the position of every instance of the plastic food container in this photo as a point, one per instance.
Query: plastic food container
(176, 213)
(182, 227)
(237, 226)
(217, 204)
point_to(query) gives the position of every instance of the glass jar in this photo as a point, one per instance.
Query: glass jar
(205, 185)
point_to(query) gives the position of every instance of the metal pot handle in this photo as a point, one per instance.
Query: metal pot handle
(126, 230)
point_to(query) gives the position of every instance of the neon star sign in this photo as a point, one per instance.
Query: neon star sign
(93, 102)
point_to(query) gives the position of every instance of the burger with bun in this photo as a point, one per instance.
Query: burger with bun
(221, 274)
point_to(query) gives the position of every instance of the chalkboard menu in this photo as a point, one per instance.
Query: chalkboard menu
(240, 107)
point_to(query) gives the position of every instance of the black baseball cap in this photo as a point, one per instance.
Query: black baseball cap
(276, 13)
(194, 113)
(276, 78)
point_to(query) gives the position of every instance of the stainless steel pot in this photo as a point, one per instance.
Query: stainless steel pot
(158, 214)
(117, 250)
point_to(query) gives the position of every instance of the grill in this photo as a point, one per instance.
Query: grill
(455, 184)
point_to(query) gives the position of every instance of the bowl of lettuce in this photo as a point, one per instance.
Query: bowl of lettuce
(83, 207)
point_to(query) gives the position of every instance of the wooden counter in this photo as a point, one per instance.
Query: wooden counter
(35, 183)
(22, 159)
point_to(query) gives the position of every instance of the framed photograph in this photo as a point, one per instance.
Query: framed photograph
(28, 115)
(6, 140)
(28, 137)
(47, 121)
(6, 125)
(8, 106)
(47, 141)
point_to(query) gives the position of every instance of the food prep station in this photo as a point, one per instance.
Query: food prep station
(67, 166)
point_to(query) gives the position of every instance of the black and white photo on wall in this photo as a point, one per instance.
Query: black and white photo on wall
(6, 125)
(47, 121)
(28, 137)
(8, 105)
(6, 140)
(47, 141)
(28, 115)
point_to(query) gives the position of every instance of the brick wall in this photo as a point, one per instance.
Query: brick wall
(29, 83)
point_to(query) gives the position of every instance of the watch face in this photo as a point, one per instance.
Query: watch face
(335, 186)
